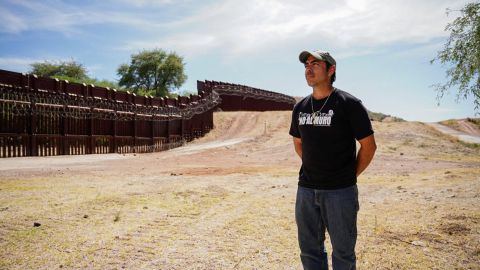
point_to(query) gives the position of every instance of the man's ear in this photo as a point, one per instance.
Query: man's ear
(332, 70)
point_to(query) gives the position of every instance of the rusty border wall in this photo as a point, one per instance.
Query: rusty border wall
(47, 117)
(236, 97)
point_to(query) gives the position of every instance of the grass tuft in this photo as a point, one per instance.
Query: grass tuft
(117, 217)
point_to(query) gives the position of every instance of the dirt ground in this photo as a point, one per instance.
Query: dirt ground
(226, 201)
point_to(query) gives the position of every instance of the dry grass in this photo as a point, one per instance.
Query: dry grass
(427, 220)
(149, 223)
(233, 207)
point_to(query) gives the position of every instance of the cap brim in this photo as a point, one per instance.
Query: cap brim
(304, 56)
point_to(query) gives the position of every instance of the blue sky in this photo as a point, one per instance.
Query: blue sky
(383, 48)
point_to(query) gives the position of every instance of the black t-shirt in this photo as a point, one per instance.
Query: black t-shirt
(328, 139)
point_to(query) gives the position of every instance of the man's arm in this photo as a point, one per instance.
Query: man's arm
(366, 153)
(297, 143)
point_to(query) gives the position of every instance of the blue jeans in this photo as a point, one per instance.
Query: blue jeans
(333, 210)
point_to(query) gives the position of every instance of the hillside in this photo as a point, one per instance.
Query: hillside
(376, 116)
(469, 125)
(226, 201)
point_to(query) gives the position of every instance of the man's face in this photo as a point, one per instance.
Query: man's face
(316, 72)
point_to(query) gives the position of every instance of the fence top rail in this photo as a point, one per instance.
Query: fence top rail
(32, 82)
(243, 90)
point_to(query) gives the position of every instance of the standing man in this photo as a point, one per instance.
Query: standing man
(325, 127)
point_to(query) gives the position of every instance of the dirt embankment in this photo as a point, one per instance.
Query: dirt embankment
(471, 126)
(465, 130)
(226, 201)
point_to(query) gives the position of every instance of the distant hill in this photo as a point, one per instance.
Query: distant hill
(376, 116)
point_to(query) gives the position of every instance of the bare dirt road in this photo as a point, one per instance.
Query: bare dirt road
(226, 201)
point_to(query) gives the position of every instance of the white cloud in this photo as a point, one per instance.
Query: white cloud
(67, 19)
(144, 3)
(17, 64)
(11, 23)
(43, 16)
(239, 29)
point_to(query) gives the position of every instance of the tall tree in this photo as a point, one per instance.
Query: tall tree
(462, 51)
(153, 72)
(69, 69)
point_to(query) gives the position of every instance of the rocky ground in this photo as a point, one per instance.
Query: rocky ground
(226, 201)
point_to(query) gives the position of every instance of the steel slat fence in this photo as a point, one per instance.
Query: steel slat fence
(46, 117)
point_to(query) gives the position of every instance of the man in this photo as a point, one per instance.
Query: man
(325, 126)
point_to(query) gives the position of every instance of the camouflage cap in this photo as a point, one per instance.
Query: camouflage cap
(322, 56)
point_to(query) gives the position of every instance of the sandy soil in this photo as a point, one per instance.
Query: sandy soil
(226, 201)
